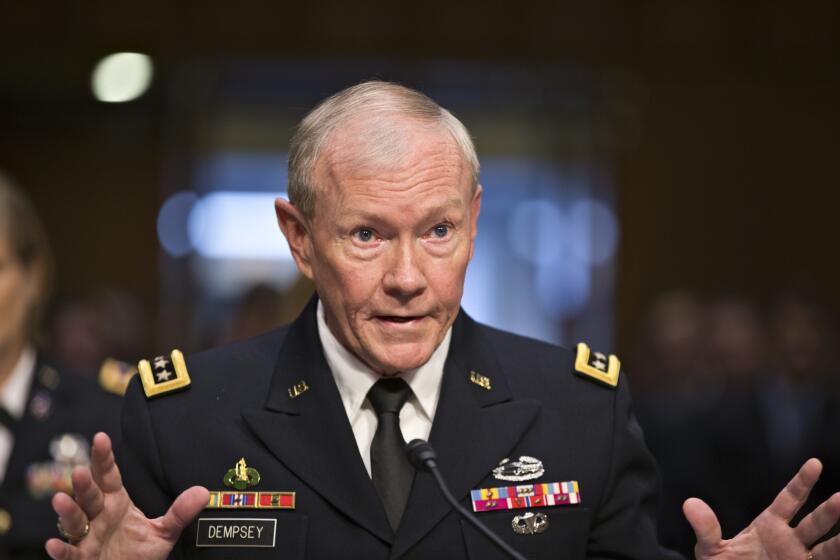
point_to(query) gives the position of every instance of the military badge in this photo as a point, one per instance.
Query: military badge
(162, 375)
(525, 468)
(596, 366)
(480, 380)
(40, 406)
(114, 376)
(530, 523)
(242, 476)
(298, 389)
(46, 478)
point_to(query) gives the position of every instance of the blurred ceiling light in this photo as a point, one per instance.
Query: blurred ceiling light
(121, 77)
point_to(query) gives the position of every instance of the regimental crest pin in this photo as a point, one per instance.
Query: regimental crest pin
(525, 468)
(242, 476)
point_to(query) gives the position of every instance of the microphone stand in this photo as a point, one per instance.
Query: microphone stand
(423, 457)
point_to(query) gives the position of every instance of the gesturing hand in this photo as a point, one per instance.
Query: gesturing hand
(108, 522)
(770, 536)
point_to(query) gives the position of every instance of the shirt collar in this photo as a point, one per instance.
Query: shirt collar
(354, 378)
(13, 395)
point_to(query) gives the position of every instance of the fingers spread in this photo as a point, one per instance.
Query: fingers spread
(103, 465)
(60, 550)
(88, 495)
(817, 523)
(705, 524)
(183, 510)
(792, 496)
(70, 515)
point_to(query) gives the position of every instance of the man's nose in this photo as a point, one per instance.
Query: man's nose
(404, 277)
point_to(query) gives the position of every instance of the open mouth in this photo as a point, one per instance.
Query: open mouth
(395, 319)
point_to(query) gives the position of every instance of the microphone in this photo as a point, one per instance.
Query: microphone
(424, 458)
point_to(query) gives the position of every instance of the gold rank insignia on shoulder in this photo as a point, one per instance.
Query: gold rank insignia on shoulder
(115, 375)
(162, 375)
(480, 380)
(597, 366)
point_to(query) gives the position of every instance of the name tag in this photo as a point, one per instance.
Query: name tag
(239, 531)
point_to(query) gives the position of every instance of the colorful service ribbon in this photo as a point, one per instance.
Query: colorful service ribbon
(547, 494)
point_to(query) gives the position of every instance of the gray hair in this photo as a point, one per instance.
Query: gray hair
(383, 100)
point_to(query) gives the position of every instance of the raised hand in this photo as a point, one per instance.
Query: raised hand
(770, 535)
(105, 521)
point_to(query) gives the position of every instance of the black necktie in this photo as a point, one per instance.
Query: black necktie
(391, 470)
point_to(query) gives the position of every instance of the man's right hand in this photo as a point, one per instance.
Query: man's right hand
(117, 528)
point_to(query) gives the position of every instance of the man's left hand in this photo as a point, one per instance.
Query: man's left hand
(770, 535)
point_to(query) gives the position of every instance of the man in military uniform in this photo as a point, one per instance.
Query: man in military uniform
(540, 441)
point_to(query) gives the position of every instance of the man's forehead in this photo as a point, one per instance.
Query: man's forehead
(415, 156)
(384, 140)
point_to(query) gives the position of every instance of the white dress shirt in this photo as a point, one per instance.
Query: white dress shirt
(354, 380)
(13, 399)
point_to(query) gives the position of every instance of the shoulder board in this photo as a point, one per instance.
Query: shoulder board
(596, 366)
(163, 375)
(115, 375)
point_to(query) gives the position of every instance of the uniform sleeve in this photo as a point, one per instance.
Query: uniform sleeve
(625, 522)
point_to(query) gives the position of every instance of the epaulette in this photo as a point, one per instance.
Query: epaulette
(595, 365)
(163, 375)
(115, 375)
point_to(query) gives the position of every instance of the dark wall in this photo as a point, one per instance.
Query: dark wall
(730, 186)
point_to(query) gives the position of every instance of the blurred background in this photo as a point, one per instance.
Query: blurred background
(660, 179)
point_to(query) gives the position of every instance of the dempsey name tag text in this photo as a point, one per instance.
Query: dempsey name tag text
(239, 531)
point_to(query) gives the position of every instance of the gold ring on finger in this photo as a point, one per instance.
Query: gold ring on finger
(810, 555)
(72, 538)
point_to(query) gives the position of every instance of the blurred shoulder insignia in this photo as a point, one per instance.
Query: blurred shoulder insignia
(115, 375)
(597, 366)
(163, 375)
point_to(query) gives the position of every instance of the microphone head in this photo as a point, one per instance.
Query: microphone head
(421, 454)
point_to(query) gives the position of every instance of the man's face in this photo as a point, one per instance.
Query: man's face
(389, 244)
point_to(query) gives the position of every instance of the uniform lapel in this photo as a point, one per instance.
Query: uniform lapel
(311, 434)
(473, 429)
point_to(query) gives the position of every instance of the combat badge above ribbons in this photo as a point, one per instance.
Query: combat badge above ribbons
(163, 375)
(596, 366)
(525, 468)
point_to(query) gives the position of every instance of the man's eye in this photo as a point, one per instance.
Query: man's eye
(440, 231)
(365, 235)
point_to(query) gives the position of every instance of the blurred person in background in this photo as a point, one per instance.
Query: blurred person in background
(673, 390)
(262, 308)
(776, 410)
(47, 414)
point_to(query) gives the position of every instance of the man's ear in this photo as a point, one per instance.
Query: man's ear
(475, 210)
(294, 226)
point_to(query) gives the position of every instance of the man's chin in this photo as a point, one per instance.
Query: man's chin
(404, 359)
